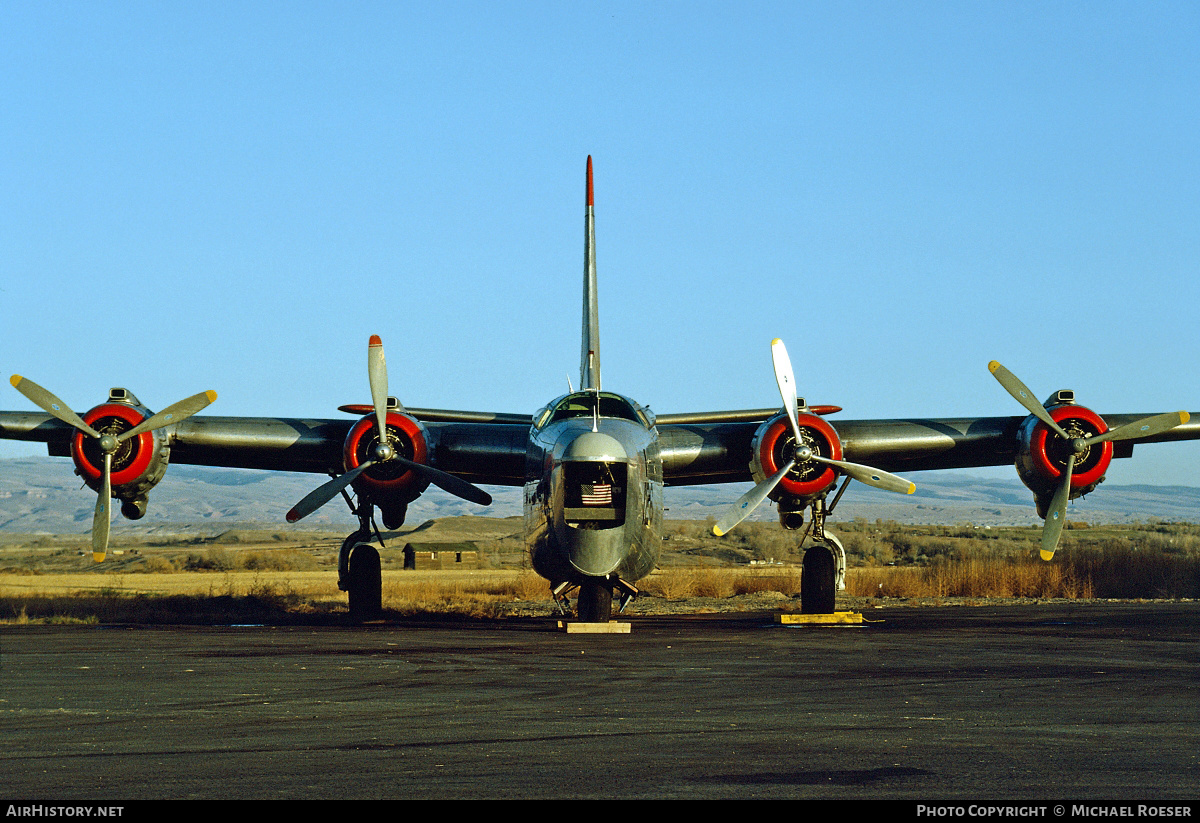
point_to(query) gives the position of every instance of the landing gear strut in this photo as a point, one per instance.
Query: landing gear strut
(359, 569)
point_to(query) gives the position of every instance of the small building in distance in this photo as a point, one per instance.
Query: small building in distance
(463, 555)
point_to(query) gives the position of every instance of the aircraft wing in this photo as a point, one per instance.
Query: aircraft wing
(717, 447)
(697, 448)
(491, 453)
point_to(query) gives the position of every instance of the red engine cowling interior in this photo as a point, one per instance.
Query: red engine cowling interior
(137, 465)
(773, 446)
(388, 482)
(1042, 454)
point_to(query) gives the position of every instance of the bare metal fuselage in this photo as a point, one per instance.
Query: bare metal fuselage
(593, 490)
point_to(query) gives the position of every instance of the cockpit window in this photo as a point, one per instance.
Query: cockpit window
(581, 404)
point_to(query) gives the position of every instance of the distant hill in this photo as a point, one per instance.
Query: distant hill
(43, 495)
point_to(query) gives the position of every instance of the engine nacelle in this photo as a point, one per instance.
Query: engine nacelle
(773, 447)
(1042, 454)
(139, 462)
(389, 486)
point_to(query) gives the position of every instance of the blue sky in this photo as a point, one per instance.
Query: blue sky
(234, 196)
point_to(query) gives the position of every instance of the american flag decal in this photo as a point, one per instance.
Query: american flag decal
(599, 494)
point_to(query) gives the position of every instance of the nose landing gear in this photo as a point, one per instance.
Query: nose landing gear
(594, 604)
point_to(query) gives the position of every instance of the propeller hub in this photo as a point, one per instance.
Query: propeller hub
(384, 452)
(1079, 445)
(804, 453)
(108, 444)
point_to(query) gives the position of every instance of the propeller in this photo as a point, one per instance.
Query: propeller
(383, 452)
(108, 443)
(1057, 514)
(748, 502)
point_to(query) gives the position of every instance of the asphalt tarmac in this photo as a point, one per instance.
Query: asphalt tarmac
(1059, 702)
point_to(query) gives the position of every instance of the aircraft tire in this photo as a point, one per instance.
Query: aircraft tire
(365, 582)
(595, 602)
(817, 592)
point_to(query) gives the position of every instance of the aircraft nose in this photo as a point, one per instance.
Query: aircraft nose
(594, 472)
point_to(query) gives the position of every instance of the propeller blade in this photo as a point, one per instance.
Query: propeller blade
(749, 501)
(786, 380)
(377, 374)
(50, 404)
(102, 519)
(448, 482)
(1056, 517)
(321, 495)
(1024, 396)
(871, 477)
(171, 414)
(1146, 427)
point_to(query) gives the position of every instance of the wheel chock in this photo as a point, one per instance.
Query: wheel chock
(577, 627)
(835, 619)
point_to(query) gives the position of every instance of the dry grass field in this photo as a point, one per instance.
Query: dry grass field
(250, 576)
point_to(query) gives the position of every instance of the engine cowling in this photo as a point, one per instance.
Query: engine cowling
(1042, 454)
(388, 485)
(139, 462)
(774, 445)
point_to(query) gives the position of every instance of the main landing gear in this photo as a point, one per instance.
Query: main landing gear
(817, 589)
(360, 572)
(823, 569)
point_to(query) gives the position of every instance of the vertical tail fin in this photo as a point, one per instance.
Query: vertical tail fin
(589, 367)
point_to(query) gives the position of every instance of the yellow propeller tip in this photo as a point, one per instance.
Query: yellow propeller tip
(993, 365)
(1184, 417)
(912, 487)
(211, 395)
(98, 557)
(1047, 556)
(718, 532)
(15, 380)
(776, 340)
